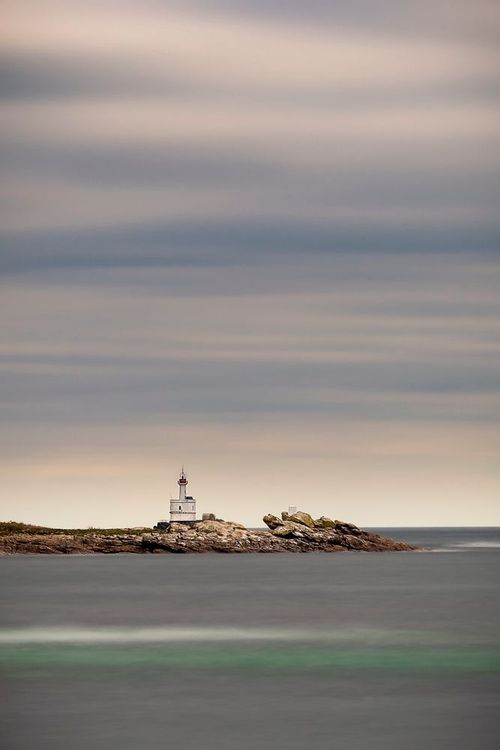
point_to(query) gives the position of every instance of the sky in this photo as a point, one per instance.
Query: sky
(260, 239)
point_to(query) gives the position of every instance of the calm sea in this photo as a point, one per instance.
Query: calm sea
(399, 651)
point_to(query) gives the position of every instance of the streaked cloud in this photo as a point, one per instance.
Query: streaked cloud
(259, 234)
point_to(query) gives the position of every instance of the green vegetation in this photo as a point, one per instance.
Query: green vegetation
(15, 527)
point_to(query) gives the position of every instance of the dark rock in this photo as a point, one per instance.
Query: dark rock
(295, 533)
(324, 523)
(345, 525)
(162, 525)
(272, 521)
(287, 530)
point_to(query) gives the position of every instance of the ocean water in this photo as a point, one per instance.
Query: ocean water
(399, 651)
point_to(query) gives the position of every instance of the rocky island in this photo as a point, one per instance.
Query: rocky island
(298, 532)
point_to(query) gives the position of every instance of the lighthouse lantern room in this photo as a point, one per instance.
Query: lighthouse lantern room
(183, 508)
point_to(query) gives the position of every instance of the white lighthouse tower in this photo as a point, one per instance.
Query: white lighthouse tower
(182, 509)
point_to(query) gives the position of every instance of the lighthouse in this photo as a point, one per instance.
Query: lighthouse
(183, 508)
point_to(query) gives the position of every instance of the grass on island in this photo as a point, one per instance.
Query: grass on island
(15, 527)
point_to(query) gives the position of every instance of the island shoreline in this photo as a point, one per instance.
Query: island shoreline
(296, 533)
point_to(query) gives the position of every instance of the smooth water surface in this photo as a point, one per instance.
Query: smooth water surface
(355, 650)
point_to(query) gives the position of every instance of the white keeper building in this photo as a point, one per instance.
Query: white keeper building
(183, 508)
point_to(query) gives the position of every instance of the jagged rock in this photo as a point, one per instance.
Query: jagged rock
(208, 526)
(296, 533)
(346, 528)
(345, 524)
(286, 530)
(177, 528)
(272, 521)
(304, 518)
(236, 525)
(324, 523)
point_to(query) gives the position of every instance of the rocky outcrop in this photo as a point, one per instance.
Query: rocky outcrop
(298, 532)
(325, 535)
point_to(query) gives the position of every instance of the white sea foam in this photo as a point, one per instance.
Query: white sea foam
(173, 635)
(479, 544)
(464, 546)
